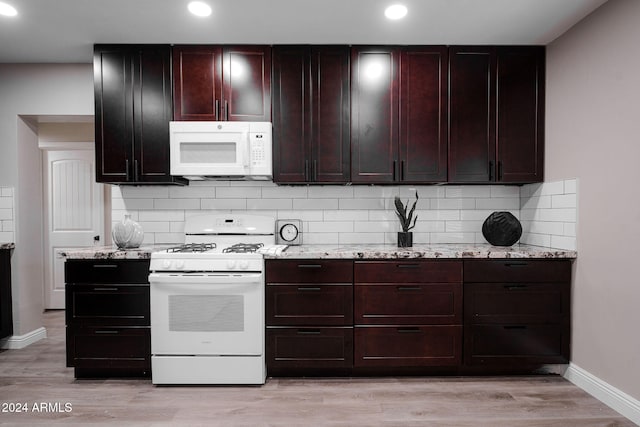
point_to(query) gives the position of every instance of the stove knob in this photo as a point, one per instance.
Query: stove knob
(166, 264)
(179, 264)
(231, 264)
(244, 264)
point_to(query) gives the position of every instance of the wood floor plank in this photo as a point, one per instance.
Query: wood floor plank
(37, 374)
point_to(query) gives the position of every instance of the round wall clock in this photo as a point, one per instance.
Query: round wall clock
(289, 232)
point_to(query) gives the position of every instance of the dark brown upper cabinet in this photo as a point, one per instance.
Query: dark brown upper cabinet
(311, 114)
(399, 115)
(222, 83)
(133, 108)
(496, 113)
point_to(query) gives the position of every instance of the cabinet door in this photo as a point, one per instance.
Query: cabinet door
(6, 317)
(374, 112)
(197, 82)
(152, 111)
(114, 113)
(520, 126)
(423, 114)
(291, 101)
(330, 114)
(246, 89)
(471, 114)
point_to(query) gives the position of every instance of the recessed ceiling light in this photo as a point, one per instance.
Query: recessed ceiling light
(7, 9)
(199, 8)
(395, 11)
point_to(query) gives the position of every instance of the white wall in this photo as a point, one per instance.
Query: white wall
(593, 131)
(26, 92)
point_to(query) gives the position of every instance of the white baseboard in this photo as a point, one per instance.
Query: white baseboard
(604, 392)
(16, 342)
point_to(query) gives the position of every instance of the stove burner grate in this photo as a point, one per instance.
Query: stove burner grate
(192, 247)
(243, 248)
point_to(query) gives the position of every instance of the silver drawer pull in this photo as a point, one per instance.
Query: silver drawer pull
(309, 266)
(105, 289)
(308, 332)
(108, 332)
(408, 330)
(105, 266)
(309, 289)
(516, 264)
(515, 287)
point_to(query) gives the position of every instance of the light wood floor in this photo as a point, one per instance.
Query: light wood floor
(37, 374)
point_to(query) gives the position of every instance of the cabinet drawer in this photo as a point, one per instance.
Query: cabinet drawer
(407, 271)
(297, 348)
(408, 346)
(308, 271)
(519, 344)
(522, 302)
(517, 271)
(107, 271)
(309, 304)
(414, 303)
(126, 348)
(109, 305)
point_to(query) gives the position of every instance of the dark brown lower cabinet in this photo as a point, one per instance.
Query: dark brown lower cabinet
(404, 346)
(519, 315)
(6, 317)
(308, 350)
(108, 317)
(417, 317)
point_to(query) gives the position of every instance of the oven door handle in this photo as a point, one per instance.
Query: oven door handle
(209, 278)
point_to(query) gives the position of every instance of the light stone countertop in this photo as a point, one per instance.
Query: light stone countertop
(453, 251)
(7, 245)
(112, 252)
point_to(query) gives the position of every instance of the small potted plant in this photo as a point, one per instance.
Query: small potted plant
(405, 237)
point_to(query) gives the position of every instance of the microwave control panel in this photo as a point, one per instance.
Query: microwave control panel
(260, 152)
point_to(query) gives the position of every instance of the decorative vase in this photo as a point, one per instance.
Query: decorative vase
(502, 229)
(127, 234)
(405, 239)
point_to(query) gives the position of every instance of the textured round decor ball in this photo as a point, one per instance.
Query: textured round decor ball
(502, 229)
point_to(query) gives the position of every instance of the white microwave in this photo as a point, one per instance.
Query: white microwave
(221, 150)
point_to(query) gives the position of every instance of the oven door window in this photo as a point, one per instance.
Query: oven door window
(206, 313)
(201, 316)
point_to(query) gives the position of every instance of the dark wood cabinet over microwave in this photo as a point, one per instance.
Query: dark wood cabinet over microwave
(133, 108)
(399, 114)
(222, 83)
(311, 114)
(496, 114)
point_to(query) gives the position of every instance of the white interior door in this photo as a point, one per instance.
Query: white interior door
(75, 215)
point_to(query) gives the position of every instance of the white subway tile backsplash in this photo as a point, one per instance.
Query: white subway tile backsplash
(371, 204)
(350, 215)
(570, 186)
(6, 203)
(7, 225)
(223, 204)
(176, 203)
(6, 237)
(284, 192)
(6, 192)
(145, 192)
(271, 204)
(563, 242)
(315, 204)
(331, 227)
(239, 192)
(453, 204)
(320, 238)
(356, 214)
(161, 215)
(457, 192)
(360, 238)
(376, 226)
(331, 192)
(563, 201)
(499, 204)
(190, 192)
(6, 214)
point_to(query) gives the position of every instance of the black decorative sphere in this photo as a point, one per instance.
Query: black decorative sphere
(501, 229)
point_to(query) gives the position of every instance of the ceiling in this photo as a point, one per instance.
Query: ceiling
(65, 30)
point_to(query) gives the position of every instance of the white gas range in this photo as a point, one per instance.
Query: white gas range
(207, 302)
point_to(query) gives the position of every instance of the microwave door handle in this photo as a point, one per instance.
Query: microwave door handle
(246, 152)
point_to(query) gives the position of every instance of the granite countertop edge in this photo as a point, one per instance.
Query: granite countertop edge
(364, 251)
(7, 245)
